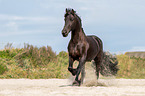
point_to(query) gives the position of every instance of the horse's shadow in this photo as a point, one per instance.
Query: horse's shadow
(66, 85)
(99, 84)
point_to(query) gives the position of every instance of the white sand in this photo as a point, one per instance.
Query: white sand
(61, 87)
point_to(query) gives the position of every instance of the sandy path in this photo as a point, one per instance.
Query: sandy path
(61, 87)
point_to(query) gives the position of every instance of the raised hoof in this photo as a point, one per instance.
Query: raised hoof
(76, 83)
(74, 72)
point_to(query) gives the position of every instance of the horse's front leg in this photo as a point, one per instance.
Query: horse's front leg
(70, 67)
(78, 82)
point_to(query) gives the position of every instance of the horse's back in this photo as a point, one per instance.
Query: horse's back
(95, 46)
(95, 39)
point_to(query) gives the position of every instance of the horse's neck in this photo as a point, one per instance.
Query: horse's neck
(78, 35)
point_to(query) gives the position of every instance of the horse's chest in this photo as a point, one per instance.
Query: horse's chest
(75, 50)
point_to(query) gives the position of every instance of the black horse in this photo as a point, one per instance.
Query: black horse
(81, 47)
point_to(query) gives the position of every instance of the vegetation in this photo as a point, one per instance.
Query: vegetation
(131, 67)
(38, 63)
(32, 62)
(136, 54)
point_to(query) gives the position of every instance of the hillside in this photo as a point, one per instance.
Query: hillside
(136, 54)
(43, 63)
(32, 62)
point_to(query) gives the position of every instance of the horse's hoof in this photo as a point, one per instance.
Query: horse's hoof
(74, 72)
(76, 83)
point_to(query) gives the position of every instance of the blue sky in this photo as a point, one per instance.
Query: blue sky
(119, 23)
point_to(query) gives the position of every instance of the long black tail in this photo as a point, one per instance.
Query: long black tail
(109, 65)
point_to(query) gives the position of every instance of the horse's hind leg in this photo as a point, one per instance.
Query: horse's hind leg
(98, 61)
(82, 74)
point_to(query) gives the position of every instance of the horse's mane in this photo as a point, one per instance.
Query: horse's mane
(69, 11)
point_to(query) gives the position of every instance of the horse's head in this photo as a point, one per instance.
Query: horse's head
(70, 22)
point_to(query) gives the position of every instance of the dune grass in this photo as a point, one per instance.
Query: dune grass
(32, 62)
(131, 67)
(43, 63)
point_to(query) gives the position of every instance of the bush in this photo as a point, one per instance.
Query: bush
(33, 62)
(131, 67)
(38, 63)
(37, 56)
(3, 68)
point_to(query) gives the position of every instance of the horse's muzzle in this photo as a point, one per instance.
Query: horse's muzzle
(64, 33)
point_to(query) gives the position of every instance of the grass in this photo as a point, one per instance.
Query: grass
(32, 62)
(131, 67)
(43, 63)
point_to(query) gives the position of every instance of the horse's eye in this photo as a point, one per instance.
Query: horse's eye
(71, 19)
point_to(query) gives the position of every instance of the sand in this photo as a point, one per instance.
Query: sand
(62, 87)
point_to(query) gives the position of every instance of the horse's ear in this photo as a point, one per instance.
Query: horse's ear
(73, 12)
(66, 10)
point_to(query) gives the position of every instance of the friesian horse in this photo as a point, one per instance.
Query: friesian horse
(81, 47)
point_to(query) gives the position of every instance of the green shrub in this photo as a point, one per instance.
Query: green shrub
(3, 68)
(33, 62)
(43, 63)
(131, 67)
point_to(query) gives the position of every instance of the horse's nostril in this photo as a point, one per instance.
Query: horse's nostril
(64, 32)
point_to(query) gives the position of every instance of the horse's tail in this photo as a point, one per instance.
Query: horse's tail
(109, 65)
